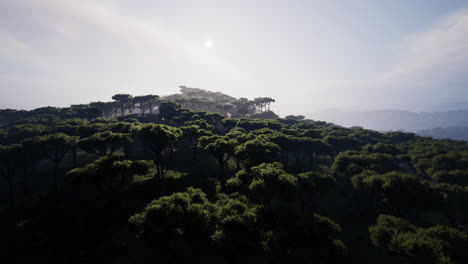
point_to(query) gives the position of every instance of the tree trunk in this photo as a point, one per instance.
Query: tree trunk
(74, 155)
(55, 183)
(122, 180)
(221, 169)
(11, 191)
(25, 181)
(237, 164)
(126, 151)
(159, 165)
(145, 150)
(194, 148)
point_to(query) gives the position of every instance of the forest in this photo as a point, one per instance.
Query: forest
(203, 177)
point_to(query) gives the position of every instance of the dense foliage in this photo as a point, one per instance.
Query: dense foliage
(146, 179)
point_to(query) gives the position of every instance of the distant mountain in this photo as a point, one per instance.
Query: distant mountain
(458, 133)
(386, 120)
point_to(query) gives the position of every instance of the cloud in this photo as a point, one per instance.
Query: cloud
(96, 47)
(81, 51)
(431, 68)
(434, 55)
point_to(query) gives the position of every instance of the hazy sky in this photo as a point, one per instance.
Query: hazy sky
(361, 54)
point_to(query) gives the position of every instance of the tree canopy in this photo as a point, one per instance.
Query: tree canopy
(201, 176)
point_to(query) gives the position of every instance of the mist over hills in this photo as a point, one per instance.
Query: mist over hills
(389, 120)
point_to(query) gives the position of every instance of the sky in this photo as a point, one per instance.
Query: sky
(307, 54)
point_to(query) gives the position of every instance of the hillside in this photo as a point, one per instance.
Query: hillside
(143, 179)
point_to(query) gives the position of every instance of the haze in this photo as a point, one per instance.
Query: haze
(308, 55)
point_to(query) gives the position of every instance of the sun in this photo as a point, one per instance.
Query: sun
(208, 44)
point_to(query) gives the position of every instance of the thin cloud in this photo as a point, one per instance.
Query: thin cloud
(432, 68)
(98, 46)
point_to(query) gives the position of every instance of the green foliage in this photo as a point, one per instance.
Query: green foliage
(399, 192)
(435, 244)
(191, 225)
(351, 163)
(221, 147)
(168, 111)
(295, 117)
(270, 184)
(257, 150)
(382, 148)
(107, 172)
(54, 146)
(105, 143)
(158, 138)
(284, 187)
(254, 124)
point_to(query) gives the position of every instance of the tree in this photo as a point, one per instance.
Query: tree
(88, 113)
(270, 184)
(103, 107)
(8, 164)
(123, 102)
(139, 101)
(53, 147)
(127, 168)
(292, 232)
(435, 244)
(257, 150)
(105, 143)
(17, 133)
(168, 111)
(351, 163)
(193, 133)
(396, 192)
(295, 117)
(213, 118)
(268, 101)
(158, 137)
(342, 143)
(146, 103)
(107, 170)
(26, 156)
(222, 148)
(243, 107)
(187, 224)
(263, 103)
(190, 211)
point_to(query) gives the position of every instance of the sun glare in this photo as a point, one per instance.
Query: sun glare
(208, 44)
